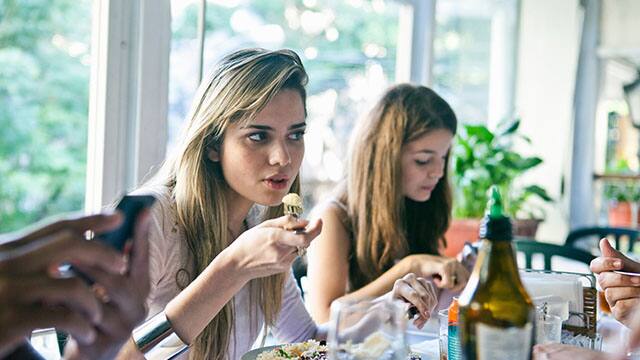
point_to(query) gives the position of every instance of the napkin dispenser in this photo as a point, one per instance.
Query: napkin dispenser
(557, 288)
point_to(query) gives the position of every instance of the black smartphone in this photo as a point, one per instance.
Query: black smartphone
(130, 206)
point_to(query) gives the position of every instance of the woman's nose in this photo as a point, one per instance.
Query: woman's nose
(280, 155)
(437, 171)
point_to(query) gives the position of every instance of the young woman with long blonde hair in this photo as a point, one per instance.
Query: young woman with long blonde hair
(390, 215)
(220, 247)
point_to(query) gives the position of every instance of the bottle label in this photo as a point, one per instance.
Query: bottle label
(495, 343)
(453, 347)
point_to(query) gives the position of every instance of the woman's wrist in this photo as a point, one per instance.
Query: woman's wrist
(230, 261)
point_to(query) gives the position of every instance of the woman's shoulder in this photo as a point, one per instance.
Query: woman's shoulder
(333, 209)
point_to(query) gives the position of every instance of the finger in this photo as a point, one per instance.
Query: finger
(36, 317)
(424, 294)
(290, 240)
(608, 251)
(609, 279)
(287, 222)
(73, 293)
(603, 263)
(115, 285)
(314, 229)
(613, 295)
(446, 280)
(623, 309)
(97, 223)
(94, 254)
(432, 300)
(404, 291)
(462, 276)
(64, 246)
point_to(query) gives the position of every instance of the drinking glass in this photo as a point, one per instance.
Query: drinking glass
(443, 333)
(367, 330)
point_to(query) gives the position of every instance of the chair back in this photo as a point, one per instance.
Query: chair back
(623, 238)
(531, 247)
(299, 267)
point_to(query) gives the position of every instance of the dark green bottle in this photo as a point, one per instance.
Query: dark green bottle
(496, 313)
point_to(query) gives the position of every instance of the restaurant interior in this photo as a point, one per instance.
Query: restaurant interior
(95, 95)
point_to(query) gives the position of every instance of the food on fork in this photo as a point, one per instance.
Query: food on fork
(292, 205)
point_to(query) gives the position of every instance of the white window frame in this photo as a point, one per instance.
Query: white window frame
(128, 98)
(415, 41)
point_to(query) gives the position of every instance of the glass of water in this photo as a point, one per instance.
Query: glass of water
(367, 330)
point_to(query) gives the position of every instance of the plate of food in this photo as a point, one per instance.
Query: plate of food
(308, 350)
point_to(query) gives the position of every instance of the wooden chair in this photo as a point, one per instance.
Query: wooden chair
(531, 247)
(619, 235)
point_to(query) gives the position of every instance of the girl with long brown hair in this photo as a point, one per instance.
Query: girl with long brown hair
(390, 215)
(220, 248)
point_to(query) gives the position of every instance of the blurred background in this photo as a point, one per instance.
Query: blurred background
(93, 94)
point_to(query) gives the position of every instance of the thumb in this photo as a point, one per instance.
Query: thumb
(608, 251)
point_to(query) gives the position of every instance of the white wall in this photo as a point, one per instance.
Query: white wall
(547, 63)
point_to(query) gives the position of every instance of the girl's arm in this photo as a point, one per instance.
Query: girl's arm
(264, 250)
(328, 269)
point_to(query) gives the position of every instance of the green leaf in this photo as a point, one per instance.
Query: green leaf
(539, 191)
(512, 128)
(480, 132)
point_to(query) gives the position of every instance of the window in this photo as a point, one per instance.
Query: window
(474, 46)
(44, 86)
(348, 48)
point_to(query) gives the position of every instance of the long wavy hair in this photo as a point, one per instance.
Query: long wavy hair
(385, 225)
(240, 86)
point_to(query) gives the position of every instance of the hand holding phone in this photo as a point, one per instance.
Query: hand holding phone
(131, 206)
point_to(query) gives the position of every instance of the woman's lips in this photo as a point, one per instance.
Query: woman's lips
(277, 184)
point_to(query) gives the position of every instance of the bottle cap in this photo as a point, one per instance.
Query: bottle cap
(495, 225)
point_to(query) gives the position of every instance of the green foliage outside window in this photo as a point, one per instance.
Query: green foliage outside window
(44, 85)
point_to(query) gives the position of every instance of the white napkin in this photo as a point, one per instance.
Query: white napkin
(566, 286)
(428, 349)
(555, 305)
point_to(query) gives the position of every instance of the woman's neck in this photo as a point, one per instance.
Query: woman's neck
(238, 208)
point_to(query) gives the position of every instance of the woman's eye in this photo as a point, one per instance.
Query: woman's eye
(422, 162)
(298, 135)
(257, 137)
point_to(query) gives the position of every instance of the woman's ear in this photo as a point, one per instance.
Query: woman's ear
(213, 154)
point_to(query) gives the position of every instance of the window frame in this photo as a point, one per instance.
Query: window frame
(128, 96)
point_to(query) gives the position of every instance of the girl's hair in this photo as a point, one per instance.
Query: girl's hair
(386, 225)
(239, 87)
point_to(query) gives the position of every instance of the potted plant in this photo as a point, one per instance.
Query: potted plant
(482, 158)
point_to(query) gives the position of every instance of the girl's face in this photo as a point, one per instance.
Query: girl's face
(423, 161)
(261, 160)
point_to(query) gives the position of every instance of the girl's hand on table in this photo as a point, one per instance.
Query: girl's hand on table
(448, 273)
(419, 293)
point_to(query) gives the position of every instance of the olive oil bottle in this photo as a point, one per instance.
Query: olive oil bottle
(496, 313)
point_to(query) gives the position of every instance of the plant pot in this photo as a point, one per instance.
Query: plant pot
(620, 214)
(526, 227)
(459, 232)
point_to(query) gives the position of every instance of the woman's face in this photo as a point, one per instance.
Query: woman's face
(423, 161)
(260, 160)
